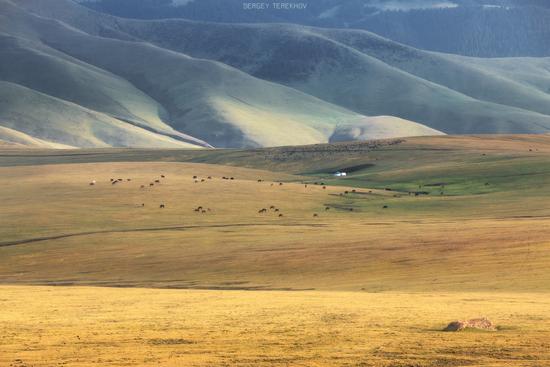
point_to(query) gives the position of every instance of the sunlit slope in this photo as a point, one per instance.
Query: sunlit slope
(64, 123)
(205, 99)
(11, 137)
(366, 73)
(52, 73)
(380, 127)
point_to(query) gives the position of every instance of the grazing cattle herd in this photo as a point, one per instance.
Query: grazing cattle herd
(272, 208)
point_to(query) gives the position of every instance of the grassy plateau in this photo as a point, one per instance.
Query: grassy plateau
(364, 270)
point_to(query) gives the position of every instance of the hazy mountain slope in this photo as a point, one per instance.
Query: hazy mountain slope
(206, 99)
(56, 121)
(343, 70)
(496, 28)
(364, 73)
(482, 31)
(244, 46)
(466, 75)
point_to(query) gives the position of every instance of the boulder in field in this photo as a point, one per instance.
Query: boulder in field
(479, 324)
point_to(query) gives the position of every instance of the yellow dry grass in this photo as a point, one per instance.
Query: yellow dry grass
(368, 287)
(52, 326)
(101, 235)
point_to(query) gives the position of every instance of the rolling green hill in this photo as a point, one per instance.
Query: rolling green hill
(369, 74)
(358, 70)
(205, 99)
(238, 85)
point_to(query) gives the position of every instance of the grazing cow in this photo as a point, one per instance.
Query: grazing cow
(262, 211)
(272, 207)
(232, 178)
(276, 210)
(209, 177)
(259, 180)
(194, 177)
(346, 192)
(142, 205)
(203, 180)
(271, 184)
(385, 207)
(200, 207)
(93, 183)
(120, 179)
(354, 191)
(128, 179)
(204, 211)
(157, 181)
(112, 179)
(114, 182)
(151, 184)
(315, 215)
(280, 215)
(327, 208)
(350, 209)
(162, 176)
(305, 186)
(324, 187)
(280, 184)
(142, 186)
(162, 206)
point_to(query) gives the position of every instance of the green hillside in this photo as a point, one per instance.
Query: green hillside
(238, 85)
(355, 69)
(207, 100)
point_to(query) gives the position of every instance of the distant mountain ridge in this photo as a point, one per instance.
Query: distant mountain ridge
(496, 28)
(98, 80)
(96, 91)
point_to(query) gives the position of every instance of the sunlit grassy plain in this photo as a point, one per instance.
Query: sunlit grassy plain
(359, 284)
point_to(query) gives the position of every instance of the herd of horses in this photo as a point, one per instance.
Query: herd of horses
(203, 210)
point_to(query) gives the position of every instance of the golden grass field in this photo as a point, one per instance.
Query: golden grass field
(356, 285)
(81, 326)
